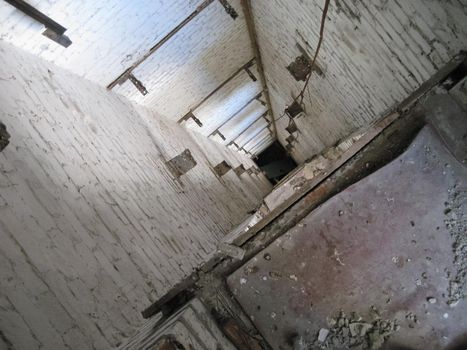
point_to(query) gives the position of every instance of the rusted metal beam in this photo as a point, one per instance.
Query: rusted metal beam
(217, 132)
(259, 145)
(246, 129)
(247, 65)
(265, 133)
(54, 31)
(254, 135)
(260, 149)
(229, 9)
(126, 74)
(250, 74)
(190, 115)
(254, 43)
(254, 143)
(256, 97)
(138, 84)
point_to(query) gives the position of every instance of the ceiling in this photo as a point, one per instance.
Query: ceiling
(374, 54)
(202, 59)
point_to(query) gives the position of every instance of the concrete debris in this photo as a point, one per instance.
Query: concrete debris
(231, 250)
(456, 223)
(432, 300)
(356, 333)
(323, 334)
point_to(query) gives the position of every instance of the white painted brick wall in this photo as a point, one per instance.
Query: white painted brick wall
(374, 54)
(92, 226)
(193, 63)
(108, 37)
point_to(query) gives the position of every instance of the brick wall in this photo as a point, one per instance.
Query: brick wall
(93, 228)
(374, 54)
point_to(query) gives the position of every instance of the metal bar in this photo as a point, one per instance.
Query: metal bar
(254, 151)
(254, 43)
(250, 74)
(217, 132)
(242, 68)
(125, 75)
(254, 136)
(236, 113)
(37, 15)
(260, 144)
(253, 143)
(253, 122)
(261, 148)
(190, 115)
(54, 31)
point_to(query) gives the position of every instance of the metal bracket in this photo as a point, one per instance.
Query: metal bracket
(229, 9)
(217, 132)
(138, 84)
(53, 31)
(250, 74)
(190, 115)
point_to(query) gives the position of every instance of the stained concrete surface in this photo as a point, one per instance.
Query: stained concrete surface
(390, 249)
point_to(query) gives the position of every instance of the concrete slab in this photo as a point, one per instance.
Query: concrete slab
(382, 249)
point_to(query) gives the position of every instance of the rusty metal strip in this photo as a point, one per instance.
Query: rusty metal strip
(246, 129)
(217, 132)
(250, 74)
(229, 9)
(262, 148)
(138, 84)
(254, 135)
(261, 145)
(258, 139)
(254, 43)
(190, 115)
(54, 30)
(242, 68)
(126, 74)
(236, 113)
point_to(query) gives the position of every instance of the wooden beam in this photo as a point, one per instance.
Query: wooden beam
(126, 74)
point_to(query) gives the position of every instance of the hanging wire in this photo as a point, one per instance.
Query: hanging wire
(321, 35)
